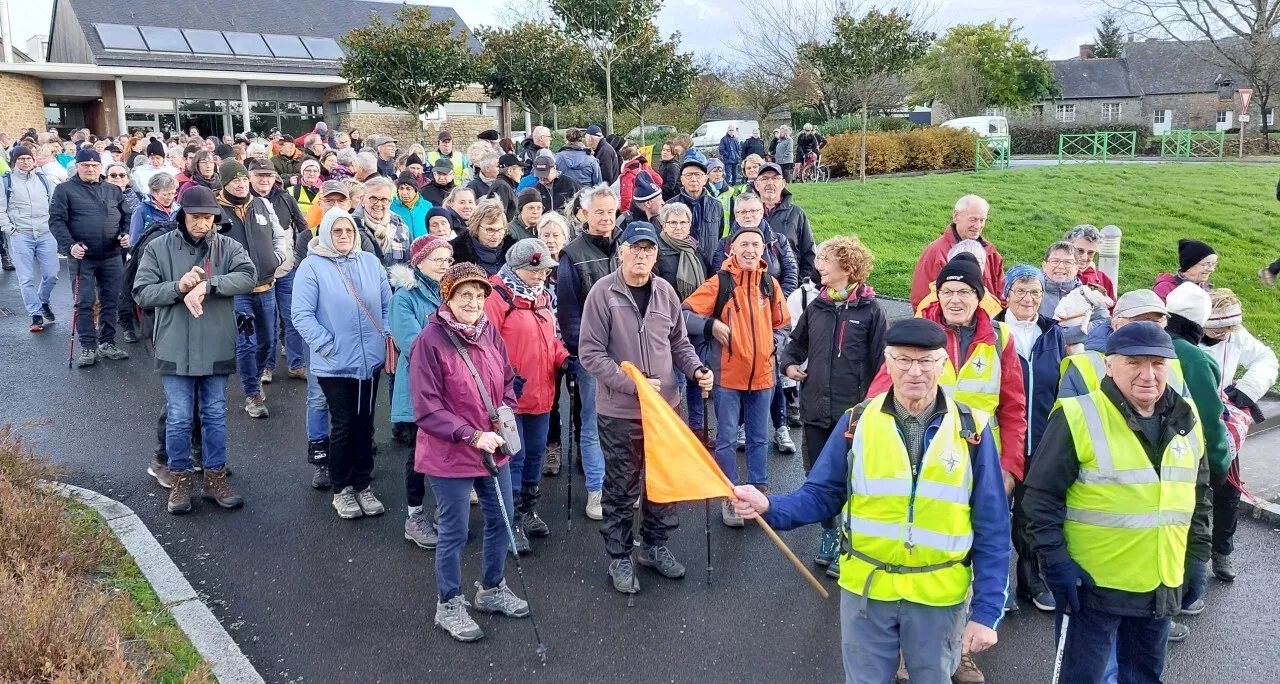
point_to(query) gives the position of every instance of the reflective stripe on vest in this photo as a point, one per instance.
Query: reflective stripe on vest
(978, 383)
(1126, 523)
(909, 534)
(1092, 367)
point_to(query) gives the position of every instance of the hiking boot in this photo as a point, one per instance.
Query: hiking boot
(551, 461)
(217, 490)
(1222, 568)
(968, 672)
(901, 677)
(1266, 276)
(1178, 631)
(129, 336)
(501, 599)
(320, 478)
(369, 503)
(419, 530)
(523, 547)
(180, 495)
(317, 451)
(533, 525)
(452, 617)
(782, 440)
(401, 433)
(160, 471)
(624, 575)
(111, 351)
(297, 373)
(256, 405)
(793, 415)
(6, 263)
(267, 376)
(47, 313)
(344, 502)
(88, 357)
(741, 441)
(828, 548)
(728, 516)
(661, 559)
(1194, 609)
(833, 570)
(594, 510)
(37, 324)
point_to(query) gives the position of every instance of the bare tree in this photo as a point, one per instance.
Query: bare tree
(1236, 35)
(762, 92)
(957, 84)
(711, 87)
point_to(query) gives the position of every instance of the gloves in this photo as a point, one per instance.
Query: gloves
(519, 384)
(1242, 401)
(1064, 580)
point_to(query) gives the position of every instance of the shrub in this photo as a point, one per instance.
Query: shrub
(920, 149)
(886, 153)
(852, 123)
(1042, 138)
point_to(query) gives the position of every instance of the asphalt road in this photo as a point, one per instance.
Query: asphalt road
(311, 598)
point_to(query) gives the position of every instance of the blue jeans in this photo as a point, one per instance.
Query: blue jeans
(252, 351)
(294, 347)
(731, 173)
(778, 402)
(1093, 636)
(589, 439)
(179, 397)
(28, 250)
(1193, 586)
(755, 406)
(317, 407)
(453, 501)
(526, 465)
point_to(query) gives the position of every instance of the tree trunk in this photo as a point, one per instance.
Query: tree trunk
(555, 118)
(608, 97)
(862, 157)
(1264, 94)
(641, 114)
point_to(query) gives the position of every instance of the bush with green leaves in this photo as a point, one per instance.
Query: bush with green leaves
(853, 122)
(919, 149)
(1042, 138)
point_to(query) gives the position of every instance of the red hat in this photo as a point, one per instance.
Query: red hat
(424, 246)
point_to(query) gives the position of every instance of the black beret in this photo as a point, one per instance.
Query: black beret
(919, 333)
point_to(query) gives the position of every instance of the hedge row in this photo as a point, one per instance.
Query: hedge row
(920, 149)
(1035, 138)
(851, 123)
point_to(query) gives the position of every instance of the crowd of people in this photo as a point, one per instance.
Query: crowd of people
(1025, 409)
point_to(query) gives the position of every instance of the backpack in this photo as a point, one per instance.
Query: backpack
(725, 291)
(8, 184)
(153, 231)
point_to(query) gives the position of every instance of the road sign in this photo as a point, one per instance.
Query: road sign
(1245, 94)
(1244, 118)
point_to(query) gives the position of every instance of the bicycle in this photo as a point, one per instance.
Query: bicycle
(813, 170)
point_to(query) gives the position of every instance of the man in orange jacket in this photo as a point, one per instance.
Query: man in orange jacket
(741, 313)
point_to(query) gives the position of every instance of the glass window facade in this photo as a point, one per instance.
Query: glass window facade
(217, 117)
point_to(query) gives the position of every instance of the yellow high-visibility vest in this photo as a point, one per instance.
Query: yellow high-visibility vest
(1092, 367)
(977, 385)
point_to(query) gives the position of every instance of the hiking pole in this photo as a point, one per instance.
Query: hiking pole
(75, 309)
(492, 467)
(706, 503)
(1062, 644)
(568, 453)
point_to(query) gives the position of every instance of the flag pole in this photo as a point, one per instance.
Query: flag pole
(792, 557)
(706, 503)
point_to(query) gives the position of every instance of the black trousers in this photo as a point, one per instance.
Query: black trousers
(815, 438)
(197, 445)
(415, 483)
(1226, 512)
(127, 309)
(350, 430)
(622, 441)
(1030, 577)
(97, 280)
(1274, 267)
(553, 432)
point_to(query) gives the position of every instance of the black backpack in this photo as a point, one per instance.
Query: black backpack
(724, 293)
(153, 231)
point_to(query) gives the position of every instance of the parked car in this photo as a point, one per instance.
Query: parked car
(984, 126)
(651, 133)
(709, 134)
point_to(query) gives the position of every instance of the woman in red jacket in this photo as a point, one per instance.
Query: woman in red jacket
(520, 308)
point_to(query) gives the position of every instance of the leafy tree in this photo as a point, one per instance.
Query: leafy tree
(1109, 42)
(869, 56)
(761, 91)
(959, 86)
(608, 29)
(534, 66)
(710, 87)
(650, 72)
(1015, 74)
(413, 64)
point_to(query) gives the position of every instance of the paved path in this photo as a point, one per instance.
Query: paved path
(311, 598)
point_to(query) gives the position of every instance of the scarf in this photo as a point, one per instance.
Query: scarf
(470, 333)
(489, 258)
(1184, 328)
(517, 286)
(382, 232)
(411, 203)
(234, 201)
(835, 295)
(690, 273)
(488, 182)
(695, 207)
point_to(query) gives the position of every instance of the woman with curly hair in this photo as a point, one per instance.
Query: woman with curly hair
(841, 337)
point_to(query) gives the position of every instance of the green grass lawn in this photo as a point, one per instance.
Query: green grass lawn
(1230, 206)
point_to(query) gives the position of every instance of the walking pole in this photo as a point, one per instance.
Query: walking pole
(492, 467)
(706, 503)
(1062, 644)
(568, 453)
(75, 309)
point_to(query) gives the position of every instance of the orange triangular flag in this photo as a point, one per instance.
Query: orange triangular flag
(676, 465)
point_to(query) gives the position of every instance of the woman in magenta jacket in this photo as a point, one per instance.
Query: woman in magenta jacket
(454, 431)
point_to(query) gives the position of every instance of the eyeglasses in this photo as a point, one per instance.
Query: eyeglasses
(1060, 262)
(641, 250)
(747, 211)
(117, 175)
(1019, 293)
(343, 231)
(966, 293)
(442, 261)
(904, 363)
(379, 200)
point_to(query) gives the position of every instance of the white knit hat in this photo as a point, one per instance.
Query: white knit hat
(1191, 302)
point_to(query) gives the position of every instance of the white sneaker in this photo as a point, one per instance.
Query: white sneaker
(782, 440)
(594, 510)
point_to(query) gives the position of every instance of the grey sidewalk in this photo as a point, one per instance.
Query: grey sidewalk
(1260, 465)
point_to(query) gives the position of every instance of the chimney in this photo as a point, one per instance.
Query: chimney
(1133, 37)
(1086, 51)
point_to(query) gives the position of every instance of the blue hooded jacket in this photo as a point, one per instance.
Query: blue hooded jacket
(576, 162)
(416, 298)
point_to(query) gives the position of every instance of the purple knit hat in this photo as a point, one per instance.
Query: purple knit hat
(424, 246)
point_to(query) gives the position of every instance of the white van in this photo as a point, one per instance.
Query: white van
(709, 134)
(984, 126)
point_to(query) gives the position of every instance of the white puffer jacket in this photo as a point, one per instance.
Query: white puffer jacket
(1243, 349)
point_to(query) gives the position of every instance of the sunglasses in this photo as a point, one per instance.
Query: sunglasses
(117, 175)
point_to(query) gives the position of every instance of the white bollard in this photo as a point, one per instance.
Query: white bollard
(1109, 254)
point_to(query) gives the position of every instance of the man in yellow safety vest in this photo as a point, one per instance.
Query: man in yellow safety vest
(916, 479)
(1117, 503)
(1082, 373)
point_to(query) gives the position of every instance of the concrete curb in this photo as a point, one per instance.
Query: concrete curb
(195, 619)
(1261, 510)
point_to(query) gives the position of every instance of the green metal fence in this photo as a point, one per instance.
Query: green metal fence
(992, 153)
(1097, 147)
(1187, 144)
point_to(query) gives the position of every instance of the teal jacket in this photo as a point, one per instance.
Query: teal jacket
(416, 297)
(415, 218)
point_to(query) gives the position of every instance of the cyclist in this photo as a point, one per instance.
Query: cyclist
(810, 143)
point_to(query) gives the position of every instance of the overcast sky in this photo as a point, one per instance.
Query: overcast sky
(1054, 25)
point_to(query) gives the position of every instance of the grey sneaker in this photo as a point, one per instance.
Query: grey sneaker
(594, 510)
(523, 547)
(267, 376)
(320, 478)
(1178, 631)
(533, 525)
(624, 576)
(661, 559)
(111, 351)
(501, 599)
(452, 617)
(369, 503)
(419, 530)
(256, 406)
(728, 516)
(1194, 609)
(782, 440)
(345, 503)
(88, 357)
(741, 440)
(160, 471)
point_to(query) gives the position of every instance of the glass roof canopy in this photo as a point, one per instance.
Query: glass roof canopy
(217, 43)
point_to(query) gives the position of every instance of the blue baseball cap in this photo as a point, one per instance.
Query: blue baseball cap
(638, 231)
(595, 130)
(1141, 338)
(88, 154)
